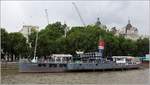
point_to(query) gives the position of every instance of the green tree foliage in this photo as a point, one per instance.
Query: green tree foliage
(14, 44)
(4, 40)
(51, 40)
(17, 44)
(142, 46)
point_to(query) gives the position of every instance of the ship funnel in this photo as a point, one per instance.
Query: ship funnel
(101, 45)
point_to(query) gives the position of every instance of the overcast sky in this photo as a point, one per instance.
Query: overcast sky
(111, 13)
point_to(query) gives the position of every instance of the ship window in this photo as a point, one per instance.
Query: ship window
(52, 65)
(44, 65)
(65, 65)
(39, 65)
(62, 65)
(58, 59)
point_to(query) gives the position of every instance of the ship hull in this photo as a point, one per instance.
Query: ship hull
(41, 67)
(101, 66)
(62, 67)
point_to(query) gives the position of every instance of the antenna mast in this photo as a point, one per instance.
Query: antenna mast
(35, 44)
(78, 13)
(47, 16)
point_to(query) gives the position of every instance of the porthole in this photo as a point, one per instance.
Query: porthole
(39, 65)
(50, 65)
(44, 65)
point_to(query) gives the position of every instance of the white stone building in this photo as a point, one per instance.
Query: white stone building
(27, 29)
(128, 31)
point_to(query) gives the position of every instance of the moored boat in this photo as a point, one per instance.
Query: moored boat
(80, 61)
(145, 60)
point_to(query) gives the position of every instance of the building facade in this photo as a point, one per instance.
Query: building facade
(27, 30)
(128, 31)
(99, 24)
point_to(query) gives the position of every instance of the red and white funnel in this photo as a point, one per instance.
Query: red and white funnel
(101, 44)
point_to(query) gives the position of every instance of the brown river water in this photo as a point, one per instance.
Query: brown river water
(10, 75)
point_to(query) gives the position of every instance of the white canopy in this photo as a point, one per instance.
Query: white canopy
(61, 55)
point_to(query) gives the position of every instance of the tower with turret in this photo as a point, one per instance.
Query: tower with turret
(99, 24)
(129, 31)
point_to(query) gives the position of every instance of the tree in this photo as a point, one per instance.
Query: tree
(4, 42)
(142, 46)
(17, 45)
(49, 39)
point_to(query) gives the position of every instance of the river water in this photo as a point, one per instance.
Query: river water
(136, 76)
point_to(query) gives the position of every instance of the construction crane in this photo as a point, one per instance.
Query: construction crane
(47, 16)
(79, 13)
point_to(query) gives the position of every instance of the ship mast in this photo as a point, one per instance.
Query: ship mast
(36, 44)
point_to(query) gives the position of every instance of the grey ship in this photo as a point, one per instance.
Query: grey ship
(79, 62)
(86, 61)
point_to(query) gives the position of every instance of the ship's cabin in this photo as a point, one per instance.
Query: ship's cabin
(61, 58)
(126, 59)
(90, 57)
